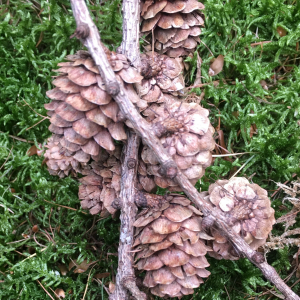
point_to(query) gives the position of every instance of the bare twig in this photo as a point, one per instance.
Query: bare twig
(10, 151)
(125, 279)
(260, 43)
(87, 283)
(131, 30)
(17, 138)
(45, 290)
(169, 168)
(66, 207)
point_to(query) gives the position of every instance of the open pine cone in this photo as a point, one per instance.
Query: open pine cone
(162, 75)
(249, 212)
(177, 25)
(102, 184)
(82, 112)
(170, 248)
(63, 158)
(185, 131)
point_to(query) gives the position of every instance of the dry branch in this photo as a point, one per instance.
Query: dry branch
(125, 279)
(131, 30)
(169, 168)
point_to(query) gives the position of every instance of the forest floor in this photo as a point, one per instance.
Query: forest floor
(47, 242)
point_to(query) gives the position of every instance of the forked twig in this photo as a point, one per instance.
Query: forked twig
(92, 42)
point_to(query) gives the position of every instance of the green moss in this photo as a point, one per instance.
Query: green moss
(34, 37)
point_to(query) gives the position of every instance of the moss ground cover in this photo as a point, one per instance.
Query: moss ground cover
(259, 41)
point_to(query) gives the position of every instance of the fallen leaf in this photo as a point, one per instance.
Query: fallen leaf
(32, 150)
(35, 228)
(60, 293)
(236, 114)
(217, 66)
(63, 269)
(101, 275)
(281, 31)
(81, 268)
(264, 85)
(111, 287)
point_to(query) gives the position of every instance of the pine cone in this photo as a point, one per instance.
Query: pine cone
(102, 185)
(185, 131)
(82, 111)
(177, 25)
(170, 248)
(249, 212)
(162, 75)
(63, 161)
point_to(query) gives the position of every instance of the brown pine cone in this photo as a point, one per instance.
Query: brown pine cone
(63, 159)
(176, 24)
(82, 111)
(170, 247)
(249, 212)
(102, 184)
(185, 131)
(162, 74)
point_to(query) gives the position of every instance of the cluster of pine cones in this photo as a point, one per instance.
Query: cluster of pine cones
(170, 241)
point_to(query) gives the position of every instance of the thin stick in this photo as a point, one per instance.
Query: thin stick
(35, 111)
(37, 123)
(169, 168)
(232, 154)
(18, 139)
(32, 255)
(66, 207)
(45, 290)
(87, 284)
(99, 281)
(238, 171)
(260, 43)
(7, 157)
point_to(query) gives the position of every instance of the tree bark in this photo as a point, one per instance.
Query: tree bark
(125, 280)
(131, 29)
(169, 168)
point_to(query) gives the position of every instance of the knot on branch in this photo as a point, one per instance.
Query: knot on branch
(258, 257)
(113, 88)
(82, 31)
(116, 204)
(168, 170)
(129, 282)
(131, 163)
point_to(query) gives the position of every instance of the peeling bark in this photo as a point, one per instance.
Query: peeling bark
(143, 129)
